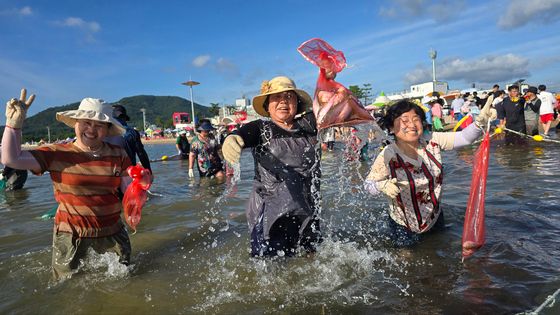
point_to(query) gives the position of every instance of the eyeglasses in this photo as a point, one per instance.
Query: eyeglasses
(407, 121)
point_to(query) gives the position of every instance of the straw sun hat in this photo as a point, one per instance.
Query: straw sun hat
(92, 109)
(277, 85)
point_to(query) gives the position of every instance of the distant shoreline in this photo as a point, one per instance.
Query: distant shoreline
(159, 141)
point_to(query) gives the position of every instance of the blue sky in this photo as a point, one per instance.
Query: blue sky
(67, 50)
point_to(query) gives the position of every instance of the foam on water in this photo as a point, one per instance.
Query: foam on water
(107, 265)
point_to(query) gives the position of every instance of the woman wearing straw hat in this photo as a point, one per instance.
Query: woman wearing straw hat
(283, 207)
(86, 174)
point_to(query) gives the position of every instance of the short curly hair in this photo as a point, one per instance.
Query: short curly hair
(399, 108)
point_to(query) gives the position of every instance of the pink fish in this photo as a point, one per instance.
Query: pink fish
(333, 104)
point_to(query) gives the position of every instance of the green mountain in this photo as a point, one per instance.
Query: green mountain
(158, 111)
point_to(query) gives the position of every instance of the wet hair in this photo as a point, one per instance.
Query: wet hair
(399, 108)
(542, 87)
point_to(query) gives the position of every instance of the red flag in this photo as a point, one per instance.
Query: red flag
(473, 229)
(136, 195)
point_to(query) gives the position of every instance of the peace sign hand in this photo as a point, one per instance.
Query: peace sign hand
(16, 110)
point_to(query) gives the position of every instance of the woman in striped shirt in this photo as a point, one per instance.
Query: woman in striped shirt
(87, 175)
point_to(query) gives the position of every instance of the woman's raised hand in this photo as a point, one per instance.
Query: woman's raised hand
(16, 110)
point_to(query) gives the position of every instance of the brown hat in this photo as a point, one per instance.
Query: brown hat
(277, 85)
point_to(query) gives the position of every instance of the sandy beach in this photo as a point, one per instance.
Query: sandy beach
(159, 141)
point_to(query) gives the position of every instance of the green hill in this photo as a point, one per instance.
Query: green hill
(158, 111)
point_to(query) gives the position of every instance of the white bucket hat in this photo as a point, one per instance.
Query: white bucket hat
(92, 109)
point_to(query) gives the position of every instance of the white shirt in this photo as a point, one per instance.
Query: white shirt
(457, 104)
(547, 102)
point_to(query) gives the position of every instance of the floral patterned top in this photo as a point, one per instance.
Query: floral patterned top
(207, 157)
(417, 207)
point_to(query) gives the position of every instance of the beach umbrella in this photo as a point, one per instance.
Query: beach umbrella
(380, 101)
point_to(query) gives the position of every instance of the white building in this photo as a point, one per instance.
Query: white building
(420, 90)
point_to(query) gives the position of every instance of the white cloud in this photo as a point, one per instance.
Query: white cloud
(438, 10)
(226, 67)
(522, 12)
(80, 23)
(25, 11)
(488, 69)
(201, 61)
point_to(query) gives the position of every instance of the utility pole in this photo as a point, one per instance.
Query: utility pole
(143, 110)
(49, 133)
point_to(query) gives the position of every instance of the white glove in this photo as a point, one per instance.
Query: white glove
(391, 187)
(232, 147)
(191, 173)
(16, 110)
(179, 152)
(482, 119)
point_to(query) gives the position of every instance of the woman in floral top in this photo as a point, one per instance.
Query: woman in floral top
(410, 171)
(204, 149)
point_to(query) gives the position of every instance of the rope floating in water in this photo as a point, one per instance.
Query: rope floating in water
(548, 302)
(537, 138)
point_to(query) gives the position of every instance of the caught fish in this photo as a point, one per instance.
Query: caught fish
(333, 103)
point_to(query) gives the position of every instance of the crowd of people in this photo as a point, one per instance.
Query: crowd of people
(89, 174)
(531, 113)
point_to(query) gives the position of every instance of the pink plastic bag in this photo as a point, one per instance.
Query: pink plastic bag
(473, 229)
(333, 104)
(136, 195)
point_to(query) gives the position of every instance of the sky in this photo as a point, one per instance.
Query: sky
(64, 51)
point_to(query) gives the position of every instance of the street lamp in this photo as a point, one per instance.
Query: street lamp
(143, 110)
(190, 83)
(433, 56)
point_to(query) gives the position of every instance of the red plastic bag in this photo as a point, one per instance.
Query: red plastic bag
(473, 229)
(333, 104)
(136, 195)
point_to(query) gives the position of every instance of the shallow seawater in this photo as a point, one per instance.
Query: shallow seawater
(191, 251)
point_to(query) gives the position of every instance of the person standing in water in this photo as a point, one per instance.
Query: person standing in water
(532, 107)
(409, 171)
(546, 113)
(283, 209)
(130, 141)
(86, 174)
(12, 179)
(205, 151)
(183, 146)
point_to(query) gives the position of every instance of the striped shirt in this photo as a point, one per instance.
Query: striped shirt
(85, 187)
